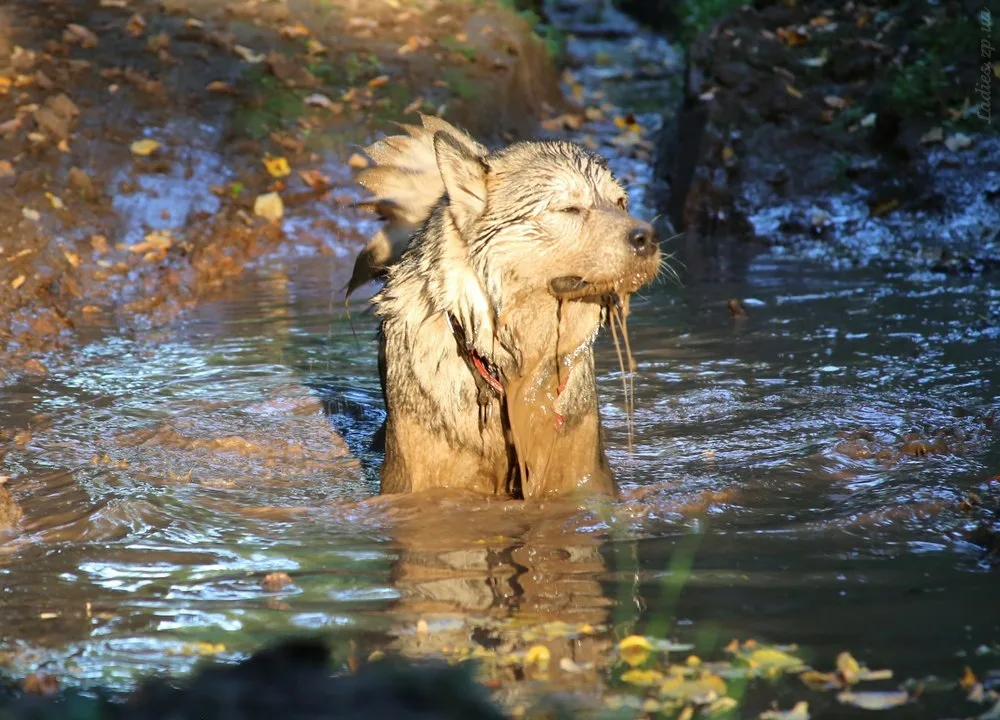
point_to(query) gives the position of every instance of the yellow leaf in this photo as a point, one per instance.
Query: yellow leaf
(634, 650)
(269, 206)
(72, 258)
(538, 655)
(848, 667)
(642, 678)
(793, 92)
(18, 281)
(968, 679)
(277, 166)
(771, 659)
(708, 687)
(357, 161)
(55, 202)
(378, 81)
(144, 147)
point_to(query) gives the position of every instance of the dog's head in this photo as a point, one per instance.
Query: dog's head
(547, 217)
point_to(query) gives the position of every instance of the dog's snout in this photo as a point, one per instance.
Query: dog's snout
(643, 240)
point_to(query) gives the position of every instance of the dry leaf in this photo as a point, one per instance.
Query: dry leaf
(378, 81)
(793, 92)
(79, 34)
(269, 206)
(248, 55)
(18, 281)
(315, 179)
(72, 258)
(357, 161)
(55, 202)
(934, 135)
(874, 700)
(319, 100)
(145, 147)
(136, 25)
(219, 86)
(31, 214)
(277, 167)
(298, 30)
(414, 105)
(958, 141)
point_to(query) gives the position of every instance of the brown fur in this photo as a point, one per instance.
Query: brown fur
(491, 231)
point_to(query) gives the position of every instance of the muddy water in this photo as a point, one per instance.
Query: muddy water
(166, 475)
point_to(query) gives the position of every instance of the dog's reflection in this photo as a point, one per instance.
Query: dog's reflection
(473, 576)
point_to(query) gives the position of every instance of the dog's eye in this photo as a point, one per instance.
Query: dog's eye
(571, 210)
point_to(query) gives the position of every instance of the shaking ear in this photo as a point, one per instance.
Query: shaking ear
(464, 177)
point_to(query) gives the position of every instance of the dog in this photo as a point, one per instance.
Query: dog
(500, 267)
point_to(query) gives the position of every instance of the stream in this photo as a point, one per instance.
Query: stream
(796, 476)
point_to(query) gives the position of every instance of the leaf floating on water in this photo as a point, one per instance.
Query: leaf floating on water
(821, 681)
(197, 648)
(144, 148)
(799, 712)
(874, 700)
(776, 660)
(707, 688)
(269, 206)
(848, 667)
(315, 179)
(642, 678)
(634, 650)
(277, 166)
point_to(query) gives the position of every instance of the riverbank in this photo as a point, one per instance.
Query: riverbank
(849, 134)
(154, 151)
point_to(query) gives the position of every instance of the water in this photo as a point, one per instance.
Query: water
(168, 472)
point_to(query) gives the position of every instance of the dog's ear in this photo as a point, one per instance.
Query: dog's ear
(464, 176)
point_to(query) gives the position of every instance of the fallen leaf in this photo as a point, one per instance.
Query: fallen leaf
(538, 655)
(793, 91)
(248, 55)
(79, 34)
(144, 147)
(320, 100)
(55, 202)
(958, 141)
(315, 179)
(291, 32)
(136, 25)
(277, 166)
(642, 678)
(31, 214)
(6, 169)
(771, 659)
(378, 81)
(835, 101)
(847, 666)
(99, 243)
(357, 161)
(873, 700)
(799, 712)
(72, 258)
(634, 650)
(414, 105)
(18, 281)
(269, 206)
(219, 86)
(704, 689)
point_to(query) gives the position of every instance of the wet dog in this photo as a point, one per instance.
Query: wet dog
(500, 266)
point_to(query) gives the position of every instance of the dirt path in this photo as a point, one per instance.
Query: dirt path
(136, 139)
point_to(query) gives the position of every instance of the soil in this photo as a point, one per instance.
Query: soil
(855, 129)
(97, 231)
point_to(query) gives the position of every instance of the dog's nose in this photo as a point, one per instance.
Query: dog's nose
(642, 240)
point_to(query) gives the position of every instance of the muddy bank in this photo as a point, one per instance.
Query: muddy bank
(849, 132)
(137, 139)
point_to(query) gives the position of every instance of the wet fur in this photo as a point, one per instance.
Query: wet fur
(497, 228)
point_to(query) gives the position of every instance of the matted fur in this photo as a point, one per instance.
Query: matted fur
(472, 244)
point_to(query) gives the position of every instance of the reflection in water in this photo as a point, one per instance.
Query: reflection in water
(821, 447)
